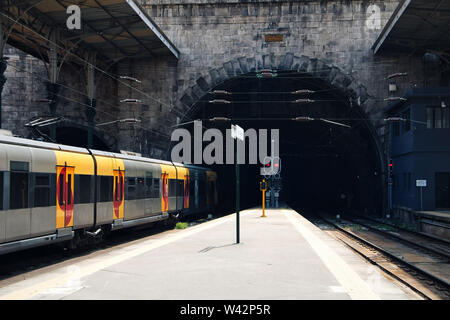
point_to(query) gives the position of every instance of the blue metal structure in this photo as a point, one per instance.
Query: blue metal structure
(420, 149)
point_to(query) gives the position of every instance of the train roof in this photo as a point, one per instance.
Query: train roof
(60, 147)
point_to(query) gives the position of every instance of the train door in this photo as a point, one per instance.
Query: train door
(64, 196)
(118, 193)
(164, 192)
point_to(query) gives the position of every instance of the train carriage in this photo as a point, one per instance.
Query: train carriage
(53, 193)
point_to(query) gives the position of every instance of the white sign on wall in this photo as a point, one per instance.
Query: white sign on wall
(421, 183)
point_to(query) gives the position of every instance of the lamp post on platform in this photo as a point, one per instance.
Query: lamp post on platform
(237, 133)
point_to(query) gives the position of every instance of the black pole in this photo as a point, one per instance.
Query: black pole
(238, 195)
(90, 114)
(3, 66)
(52, 95)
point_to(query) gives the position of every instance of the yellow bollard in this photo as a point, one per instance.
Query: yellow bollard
(263, 188)
(264, 203)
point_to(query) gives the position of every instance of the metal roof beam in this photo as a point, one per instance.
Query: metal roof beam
(98, 32)
(125, 28)
(390, 25)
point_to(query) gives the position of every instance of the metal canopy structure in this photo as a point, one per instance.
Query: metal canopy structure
(113, 29)
(417, 26)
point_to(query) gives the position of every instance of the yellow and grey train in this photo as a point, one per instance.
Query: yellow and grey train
(56, 193)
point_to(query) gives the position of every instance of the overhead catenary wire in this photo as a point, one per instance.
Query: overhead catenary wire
(115, 77)
(99, 110)
(81, 93)
(89, 63)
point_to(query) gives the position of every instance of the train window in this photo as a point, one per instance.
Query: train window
(172, 187)
(116, 187)
(121, 187)
(85, 189)
(42, 190)
(1, 190)
(18, 197)
(131, 189)
(106, 188)
(19, 166)
(180, 188)
(148, 184)
(61, 188)
(201, 187)
(69, 189)
(155, 188)
(202, 191)
(192, 187)
(210, 192)
(140, 188)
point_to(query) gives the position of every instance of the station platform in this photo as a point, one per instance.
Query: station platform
(280, 257)
(434, 223)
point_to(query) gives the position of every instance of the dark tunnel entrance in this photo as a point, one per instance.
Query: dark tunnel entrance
(77, 137)
(324, 166)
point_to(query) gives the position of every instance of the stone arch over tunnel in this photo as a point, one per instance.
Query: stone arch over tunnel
(351, 96)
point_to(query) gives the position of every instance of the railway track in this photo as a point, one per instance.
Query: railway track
(420, 263)
(428, 244)
(408, 231)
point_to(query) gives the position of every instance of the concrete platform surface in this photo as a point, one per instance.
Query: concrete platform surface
(282, 256)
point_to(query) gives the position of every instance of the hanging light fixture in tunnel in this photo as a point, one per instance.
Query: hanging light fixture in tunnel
(303, 91)
(219, 101)
(266, 73)
(394, 119)
(395, 99)
(304, 101)
(131, 101)
(218, 92)
(303, 119)
(219, 119)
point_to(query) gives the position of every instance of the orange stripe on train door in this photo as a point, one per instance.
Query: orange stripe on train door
(118, 194)
(164, 192)
(186, 191)
(64, 196)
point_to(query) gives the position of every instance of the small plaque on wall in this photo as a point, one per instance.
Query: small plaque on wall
(273, 38)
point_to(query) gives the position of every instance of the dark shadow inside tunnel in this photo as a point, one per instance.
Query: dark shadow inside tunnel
(324, 166)
(77, 137)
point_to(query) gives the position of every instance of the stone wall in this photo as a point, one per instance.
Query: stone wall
(222, 39)
(25, 88)
(219, 39)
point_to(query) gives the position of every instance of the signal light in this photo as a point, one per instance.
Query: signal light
(391, 167)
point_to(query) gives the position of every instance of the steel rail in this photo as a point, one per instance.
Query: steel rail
(418, 233)
(408, 242)
(375, 261)
(419, 270)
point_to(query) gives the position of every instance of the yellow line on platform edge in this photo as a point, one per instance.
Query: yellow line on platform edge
(344, 274)
(35, 289)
